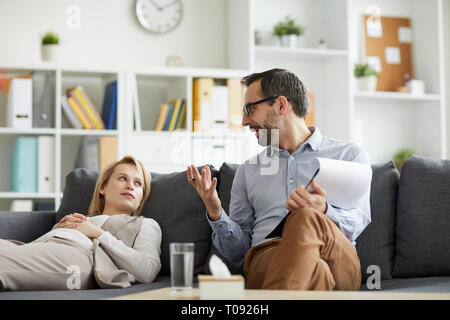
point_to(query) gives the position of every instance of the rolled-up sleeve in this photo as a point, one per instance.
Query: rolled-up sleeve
(232, 235)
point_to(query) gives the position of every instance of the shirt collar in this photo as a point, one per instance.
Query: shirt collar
(314, 141)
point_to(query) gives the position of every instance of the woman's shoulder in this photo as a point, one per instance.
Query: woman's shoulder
(150, 222)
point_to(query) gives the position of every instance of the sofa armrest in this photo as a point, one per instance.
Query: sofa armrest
(25, 226)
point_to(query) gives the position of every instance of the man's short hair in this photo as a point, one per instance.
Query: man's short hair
(281, 82)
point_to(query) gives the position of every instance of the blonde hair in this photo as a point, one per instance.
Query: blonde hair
(98, 200)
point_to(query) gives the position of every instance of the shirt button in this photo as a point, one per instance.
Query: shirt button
(291, 158)
(222, 224)
(291, 180)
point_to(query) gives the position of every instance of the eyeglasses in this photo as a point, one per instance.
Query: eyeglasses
(248, 106)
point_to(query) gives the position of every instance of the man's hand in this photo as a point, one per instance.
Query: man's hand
(300, 198)
(206, 188)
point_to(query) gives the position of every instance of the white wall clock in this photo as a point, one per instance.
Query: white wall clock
(159, 16)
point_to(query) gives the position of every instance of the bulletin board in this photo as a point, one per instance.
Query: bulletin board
(392, 44)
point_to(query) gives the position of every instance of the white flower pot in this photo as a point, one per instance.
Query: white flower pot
(50, 52)
(288, 41)
(368, 83)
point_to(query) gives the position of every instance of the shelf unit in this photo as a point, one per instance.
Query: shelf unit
(66, 140)
(174, 151)
(383, 122)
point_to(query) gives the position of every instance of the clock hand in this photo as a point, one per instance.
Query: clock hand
(168, 5)
(157, 7)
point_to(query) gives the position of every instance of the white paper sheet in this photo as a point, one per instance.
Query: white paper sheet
(374, 28)
(404, 35)
(392, 55)
(375, 63)
(344, 181)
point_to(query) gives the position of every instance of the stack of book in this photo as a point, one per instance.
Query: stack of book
(171, 116)
(80, 112)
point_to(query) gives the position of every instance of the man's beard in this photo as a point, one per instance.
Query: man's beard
(268, 134)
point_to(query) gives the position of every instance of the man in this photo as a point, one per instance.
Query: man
(316, 250)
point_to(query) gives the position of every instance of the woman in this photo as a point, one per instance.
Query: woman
(112, 247)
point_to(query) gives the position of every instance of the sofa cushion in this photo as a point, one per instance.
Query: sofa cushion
(78, 190)
(173, 203)
(25, 226)
(423, 219)
(181, 214)
(375, 245)
(226, 177)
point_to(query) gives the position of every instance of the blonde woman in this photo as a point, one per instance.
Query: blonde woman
(110, 248)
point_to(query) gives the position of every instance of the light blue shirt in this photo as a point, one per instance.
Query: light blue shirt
(263, 184)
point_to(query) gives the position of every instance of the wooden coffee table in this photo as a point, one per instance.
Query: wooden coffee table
(169, 294)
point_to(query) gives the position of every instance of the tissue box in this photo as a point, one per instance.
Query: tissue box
(213, 288)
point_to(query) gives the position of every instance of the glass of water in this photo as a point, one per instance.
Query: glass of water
(181, 265)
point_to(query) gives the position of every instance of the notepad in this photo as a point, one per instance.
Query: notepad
(344, 181)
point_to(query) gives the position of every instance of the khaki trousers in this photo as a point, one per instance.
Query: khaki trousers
(312, 254)
(57, 264)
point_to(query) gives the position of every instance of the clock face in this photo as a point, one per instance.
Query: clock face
(159, 16)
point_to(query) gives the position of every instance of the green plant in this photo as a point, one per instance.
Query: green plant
(50, 38)
(403, 155)
(363, 70)
(287, 27)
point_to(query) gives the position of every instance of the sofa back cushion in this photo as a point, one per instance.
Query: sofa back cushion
(375, 245)
(25, 226)
(173, 203)
(78, 190)
(423, 219)
(181, 214)
(226, 177)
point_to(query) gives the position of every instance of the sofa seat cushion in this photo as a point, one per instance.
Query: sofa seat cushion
(92, 294)
(423, 219)
(375, 245)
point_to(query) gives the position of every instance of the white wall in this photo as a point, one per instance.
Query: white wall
(110, 34)
(447, 67)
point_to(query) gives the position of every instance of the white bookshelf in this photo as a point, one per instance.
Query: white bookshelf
(163, 151)
(395, 96)
(383, 122)
(67, 139)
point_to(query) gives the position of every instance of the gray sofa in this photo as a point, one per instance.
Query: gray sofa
(406, 247)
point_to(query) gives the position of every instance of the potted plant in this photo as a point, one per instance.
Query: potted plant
(322, 44)
(401, 156)
(288, 32)
(50, 47)
(366, 77)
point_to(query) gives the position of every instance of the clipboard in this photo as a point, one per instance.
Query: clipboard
(277, 232)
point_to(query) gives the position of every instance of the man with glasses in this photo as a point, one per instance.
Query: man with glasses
(316, 248)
